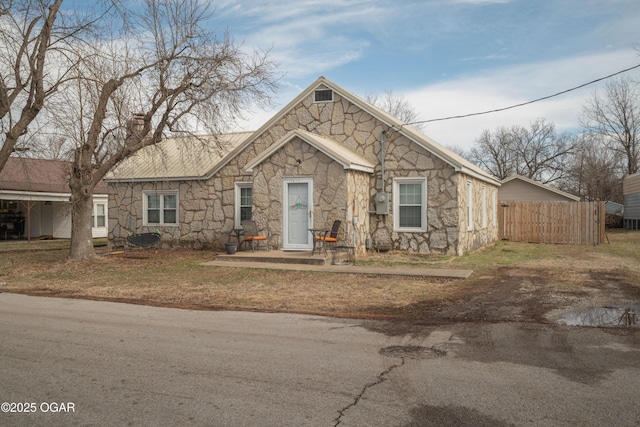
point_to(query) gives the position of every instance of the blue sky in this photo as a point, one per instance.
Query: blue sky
(447, 57)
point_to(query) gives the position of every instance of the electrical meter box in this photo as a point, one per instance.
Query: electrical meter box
(382, 203)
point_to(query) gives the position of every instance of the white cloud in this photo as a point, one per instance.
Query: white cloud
(308, 37)
(495, 89)
(500, 88)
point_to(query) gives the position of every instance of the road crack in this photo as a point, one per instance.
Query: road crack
(379, 380)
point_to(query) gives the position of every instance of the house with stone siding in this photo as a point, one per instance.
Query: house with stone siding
(328, 155)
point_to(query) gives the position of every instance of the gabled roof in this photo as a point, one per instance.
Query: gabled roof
(448, 156)
(181, 158)
(541, 185)
(613, 207)
(347, 158)
(39, 176)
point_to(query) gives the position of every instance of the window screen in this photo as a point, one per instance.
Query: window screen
(410, 205)
(324, 95)
(246, 202)
(162, 208)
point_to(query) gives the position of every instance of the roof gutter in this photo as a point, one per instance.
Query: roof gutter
(156, 179)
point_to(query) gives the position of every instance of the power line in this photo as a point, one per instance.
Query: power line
(528, 102)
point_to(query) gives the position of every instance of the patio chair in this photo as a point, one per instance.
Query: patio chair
(332, 238)
(251, 236)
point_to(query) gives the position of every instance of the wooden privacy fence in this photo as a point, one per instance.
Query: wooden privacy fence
(574, 223)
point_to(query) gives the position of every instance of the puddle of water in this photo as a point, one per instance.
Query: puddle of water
(412, 352)
(609, 316)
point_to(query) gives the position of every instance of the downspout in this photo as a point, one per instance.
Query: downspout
(382, 156)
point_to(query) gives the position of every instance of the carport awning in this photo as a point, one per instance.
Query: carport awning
(34, 196)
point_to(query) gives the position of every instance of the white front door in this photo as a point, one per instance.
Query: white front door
(297, 213)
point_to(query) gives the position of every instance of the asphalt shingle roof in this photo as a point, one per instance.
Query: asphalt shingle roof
(39, 175)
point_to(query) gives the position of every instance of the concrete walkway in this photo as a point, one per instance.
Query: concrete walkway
(349, 269)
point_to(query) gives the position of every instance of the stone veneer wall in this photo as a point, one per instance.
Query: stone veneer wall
(405, 159)
(479, 236)
(329, 185)
(198, 211)
(360, 132)
(356, 232)
(206, 207)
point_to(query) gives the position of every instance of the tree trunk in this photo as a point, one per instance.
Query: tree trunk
(81, 236)
(82, 185)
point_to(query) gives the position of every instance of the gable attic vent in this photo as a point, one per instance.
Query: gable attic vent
(323, 95)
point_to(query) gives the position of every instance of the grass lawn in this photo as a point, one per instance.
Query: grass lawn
(177, 278)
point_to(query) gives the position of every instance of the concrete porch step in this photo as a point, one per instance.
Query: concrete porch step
(276, 257)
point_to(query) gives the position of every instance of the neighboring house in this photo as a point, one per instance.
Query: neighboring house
(614, 208)
(34, 200)
(614, 214)
(631, 194)
(328, 155)
(520, 188)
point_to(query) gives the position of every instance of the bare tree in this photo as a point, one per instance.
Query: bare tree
(159, 72)
(26, 29)
(460, 151)
(397, 106)
(541, 152)
(494, 152)
(51, 147)
(615, 116)
(34, 63)
(594, 172)
(537, 152)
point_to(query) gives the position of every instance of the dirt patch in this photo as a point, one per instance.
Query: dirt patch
(511, 283)
(509, 294)
(517, 295)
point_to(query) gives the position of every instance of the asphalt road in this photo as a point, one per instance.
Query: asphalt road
(72, 362)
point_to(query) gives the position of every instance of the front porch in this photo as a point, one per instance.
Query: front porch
(303, 261)
(287, 257)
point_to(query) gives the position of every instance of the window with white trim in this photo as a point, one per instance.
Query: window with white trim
(161, 208)
(410, 204)
(484, 207)
(98, 215)
(469, 206)
(244, 202)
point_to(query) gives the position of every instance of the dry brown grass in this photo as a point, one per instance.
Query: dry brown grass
(621, 254)
(177, 277)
